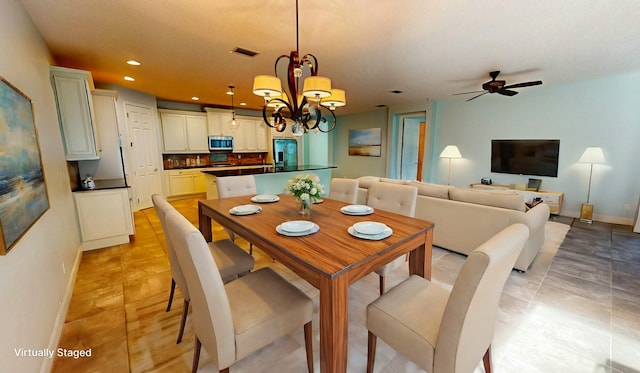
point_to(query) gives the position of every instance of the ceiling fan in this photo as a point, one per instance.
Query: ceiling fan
(498, 86)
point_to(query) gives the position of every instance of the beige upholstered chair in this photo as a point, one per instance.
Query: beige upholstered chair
(398, 198)
(235, 186)
(345, 190)
(442, 330)
(234, 320)
(232, 261)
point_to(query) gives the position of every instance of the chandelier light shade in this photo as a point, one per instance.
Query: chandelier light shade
(450, 151)
(299, 99)
(267, 86)
(337, 99)
(592, 155)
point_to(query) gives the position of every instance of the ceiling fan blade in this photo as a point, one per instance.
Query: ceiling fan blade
(477, 96)
(520, 85)
(507, 92)
(466, 93)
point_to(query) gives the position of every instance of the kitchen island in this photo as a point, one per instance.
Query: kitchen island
(269, 179)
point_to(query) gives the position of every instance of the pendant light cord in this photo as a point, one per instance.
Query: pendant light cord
(297, 37)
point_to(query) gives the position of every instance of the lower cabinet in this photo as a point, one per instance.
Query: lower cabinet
(105, 217)
(183, 182)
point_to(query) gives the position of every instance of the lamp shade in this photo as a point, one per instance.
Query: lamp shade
(451, 151)
(336, 99)
(592, 155)
(317, 86)
(266, 85)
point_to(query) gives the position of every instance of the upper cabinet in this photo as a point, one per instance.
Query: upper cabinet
(184, 132)
(72, 90)
(218, 122)
(106, 115)
(251, 136)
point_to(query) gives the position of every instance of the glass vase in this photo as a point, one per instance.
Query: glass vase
(304, 206)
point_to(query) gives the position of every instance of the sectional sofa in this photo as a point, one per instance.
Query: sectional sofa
(465, 218)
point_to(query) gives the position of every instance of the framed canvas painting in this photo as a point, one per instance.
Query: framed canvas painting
(23, 191)
(366, 142)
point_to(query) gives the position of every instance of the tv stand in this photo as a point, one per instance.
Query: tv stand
(553, 199)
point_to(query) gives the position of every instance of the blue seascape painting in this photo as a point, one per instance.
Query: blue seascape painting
(23, 192)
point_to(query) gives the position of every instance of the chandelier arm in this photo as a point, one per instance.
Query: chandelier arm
(324, 119)
(312, 63)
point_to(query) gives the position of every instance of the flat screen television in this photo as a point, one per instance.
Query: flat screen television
(525, 157)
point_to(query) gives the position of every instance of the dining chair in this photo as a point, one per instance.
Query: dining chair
(235, 186)
(442, 330)
(234, 320)
(393, 197)
(345, 190)
(230, 258)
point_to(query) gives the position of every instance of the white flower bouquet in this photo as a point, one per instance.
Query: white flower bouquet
(305, 187)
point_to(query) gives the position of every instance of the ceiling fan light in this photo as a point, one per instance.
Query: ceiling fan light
(267, 86)
(317, 86)
(336, 99)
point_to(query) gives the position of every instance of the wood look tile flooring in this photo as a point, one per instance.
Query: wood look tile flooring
(577, 309)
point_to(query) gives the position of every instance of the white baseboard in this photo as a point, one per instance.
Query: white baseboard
(600, 218)
(56, 333)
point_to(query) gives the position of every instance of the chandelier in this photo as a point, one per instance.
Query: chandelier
(302, 110)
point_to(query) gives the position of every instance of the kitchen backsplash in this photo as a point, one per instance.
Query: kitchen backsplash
(171, 161)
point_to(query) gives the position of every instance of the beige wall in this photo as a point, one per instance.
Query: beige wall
(32, 283)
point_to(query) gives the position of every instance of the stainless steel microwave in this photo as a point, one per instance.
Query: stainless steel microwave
(220, 143)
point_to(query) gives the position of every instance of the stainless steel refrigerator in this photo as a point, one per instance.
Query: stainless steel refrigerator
(285, 153)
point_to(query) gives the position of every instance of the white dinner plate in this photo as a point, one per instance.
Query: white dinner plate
(265, 198)
(245, 210)
(386, 233)
(313, 229)
(357, 210)
(296, 226)
(317, 200)
(370, 228)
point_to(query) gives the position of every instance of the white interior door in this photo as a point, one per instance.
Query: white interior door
(142, 142)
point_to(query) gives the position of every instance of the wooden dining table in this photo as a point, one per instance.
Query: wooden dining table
(330, 259)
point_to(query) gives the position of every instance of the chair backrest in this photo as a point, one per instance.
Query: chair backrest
(345, 190)
(211, 312)
(162, 208)
(398, 198)
(234, 186)
(469, 318)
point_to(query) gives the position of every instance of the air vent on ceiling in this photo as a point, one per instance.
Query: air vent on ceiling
(245, 52)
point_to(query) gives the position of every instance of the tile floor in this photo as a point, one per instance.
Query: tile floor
(577, 309)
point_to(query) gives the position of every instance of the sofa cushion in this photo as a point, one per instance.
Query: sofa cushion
(432, 190)
(393, 181)
(503, 199)
(366, 181)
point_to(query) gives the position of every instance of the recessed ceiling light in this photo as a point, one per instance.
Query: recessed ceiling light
(381, 105)
(243, 104)
(130, 79)
(194, 98)
(230, 93)
(397, 92)
(134, 63)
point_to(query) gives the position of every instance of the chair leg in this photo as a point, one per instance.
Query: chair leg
(173, 290)
(250, 248)
(183, 321)
(371, 352)
(225, 370)
(381, 285)
(308, 345)
(196, 356)
(486, 359)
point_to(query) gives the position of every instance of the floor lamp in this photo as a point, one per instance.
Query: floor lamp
(591, 156)
(450, 151)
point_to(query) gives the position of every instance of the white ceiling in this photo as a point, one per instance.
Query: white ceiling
(428, 49)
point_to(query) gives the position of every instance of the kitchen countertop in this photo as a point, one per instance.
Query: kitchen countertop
(104, 184)
(220, 167)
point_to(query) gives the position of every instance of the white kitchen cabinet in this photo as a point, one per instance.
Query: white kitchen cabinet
(251, 136)
(105, 217)
(72, 90)
(184, 182)
(184, 132)
(218, 122)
